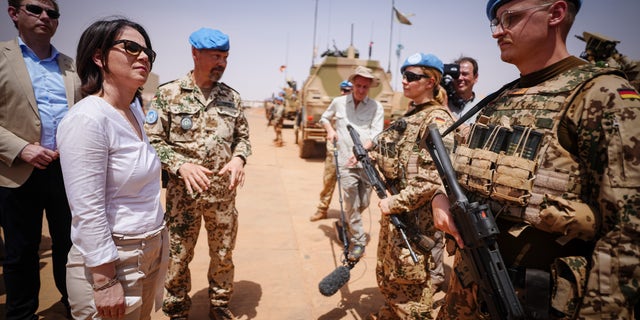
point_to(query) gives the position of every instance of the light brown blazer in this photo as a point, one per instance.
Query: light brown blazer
(19, 117)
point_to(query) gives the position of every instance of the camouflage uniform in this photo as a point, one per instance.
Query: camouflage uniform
(268, 111)
(407, 166)
(556, 200)
(278, 120)
(190, 128)
(328, 179)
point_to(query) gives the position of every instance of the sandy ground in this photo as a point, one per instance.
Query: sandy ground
(280, 256)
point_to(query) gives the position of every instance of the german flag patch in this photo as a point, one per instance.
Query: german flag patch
(626, 93)
(439, 120)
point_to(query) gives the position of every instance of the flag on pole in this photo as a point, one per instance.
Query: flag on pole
(401, 18)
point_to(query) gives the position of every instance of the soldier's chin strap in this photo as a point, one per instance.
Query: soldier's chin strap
(478, 107)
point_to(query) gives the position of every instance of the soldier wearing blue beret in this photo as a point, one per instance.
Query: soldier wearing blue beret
(202, 137)
(564, 188)
(206, 38)
(408, 285)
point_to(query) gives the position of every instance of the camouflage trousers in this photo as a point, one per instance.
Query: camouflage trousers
(328, 179)
(460, 302)
(437, 252)
(613, 289)
(277, 128)
(183, 218)
(405, 285)
(356, 196)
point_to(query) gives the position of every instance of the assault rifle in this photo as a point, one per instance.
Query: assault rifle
(423, 243)
(477, 228)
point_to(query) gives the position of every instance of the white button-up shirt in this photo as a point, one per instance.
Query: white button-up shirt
(367, 119)
(112, 178)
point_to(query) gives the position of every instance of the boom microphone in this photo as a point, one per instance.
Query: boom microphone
(334, 281)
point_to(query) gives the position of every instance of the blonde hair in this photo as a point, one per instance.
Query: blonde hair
(439, 94)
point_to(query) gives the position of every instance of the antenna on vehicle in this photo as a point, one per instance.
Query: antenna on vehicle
(351, 43)
(315, 26)
(371, 41)
(351, 51)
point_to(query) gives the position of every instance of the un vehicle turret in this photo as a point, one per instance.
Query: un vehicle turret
(322, 85)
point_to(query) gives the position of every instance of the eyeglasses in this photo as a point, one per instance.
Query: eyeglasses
(345, 90)
(411, 77)
(507, 18)
(37, 10)
(134, 49)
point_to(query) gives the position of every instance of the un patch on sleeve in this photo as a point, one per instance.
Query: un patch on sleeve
(152, 117)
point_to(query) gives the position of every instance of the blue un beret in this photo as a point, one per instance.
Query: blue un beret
(423, 60)
(346, 84)
(206, 38)
(493, 5)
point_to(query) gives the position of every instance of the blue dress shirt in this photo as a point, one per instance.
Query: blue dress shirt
(48, 88)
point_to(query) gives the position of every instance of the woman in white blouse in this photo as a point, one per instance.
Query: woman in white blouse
(112, 178)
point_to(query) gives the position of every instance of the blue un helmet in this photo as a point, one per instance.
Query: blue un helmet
(423, 60)
(493, 5)
(346, 85)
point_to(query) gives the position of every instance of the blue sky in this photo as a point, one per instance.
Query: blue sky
(267, 34)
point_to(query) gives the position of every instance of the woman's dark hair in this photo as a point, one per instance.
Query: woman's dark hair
(99, 37)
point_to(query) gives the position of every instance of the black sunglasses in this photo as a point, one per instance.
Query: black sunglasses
(134, 49)
(37, 10)
(411, 77)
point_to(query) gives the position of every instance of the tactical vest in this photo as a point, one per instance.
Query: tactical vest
(513, 156)
(406, 134)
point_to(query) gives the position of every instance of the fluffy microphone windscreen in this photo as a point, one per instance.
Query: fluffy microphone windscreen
(334, 281)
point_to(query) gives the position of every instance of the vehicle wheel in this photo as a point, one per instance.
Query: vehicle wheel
(307, 148)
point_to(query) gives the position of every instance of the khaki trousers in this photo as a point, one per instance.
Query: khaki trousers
(140, 268)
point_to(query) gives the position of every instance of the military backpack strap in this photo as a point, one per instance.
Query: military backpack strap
(479, 107)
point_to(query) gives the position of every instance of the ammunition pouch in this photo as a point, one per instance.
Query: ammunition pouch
(388, 161)
(389, 167)
(513, 179)
(478, 172)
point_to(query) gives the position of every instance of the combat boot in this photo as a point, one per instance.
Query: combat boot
(319, 215)
(220, 313)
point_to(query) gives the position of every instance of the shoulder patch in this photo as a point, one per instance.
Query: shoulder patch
(439, 120)
(152, 116)
(626, 93)
(519, 92)
(227, 86)
(227, 104)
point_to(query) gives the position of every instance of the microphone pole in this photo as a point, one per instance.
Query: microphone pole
(330, 284)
